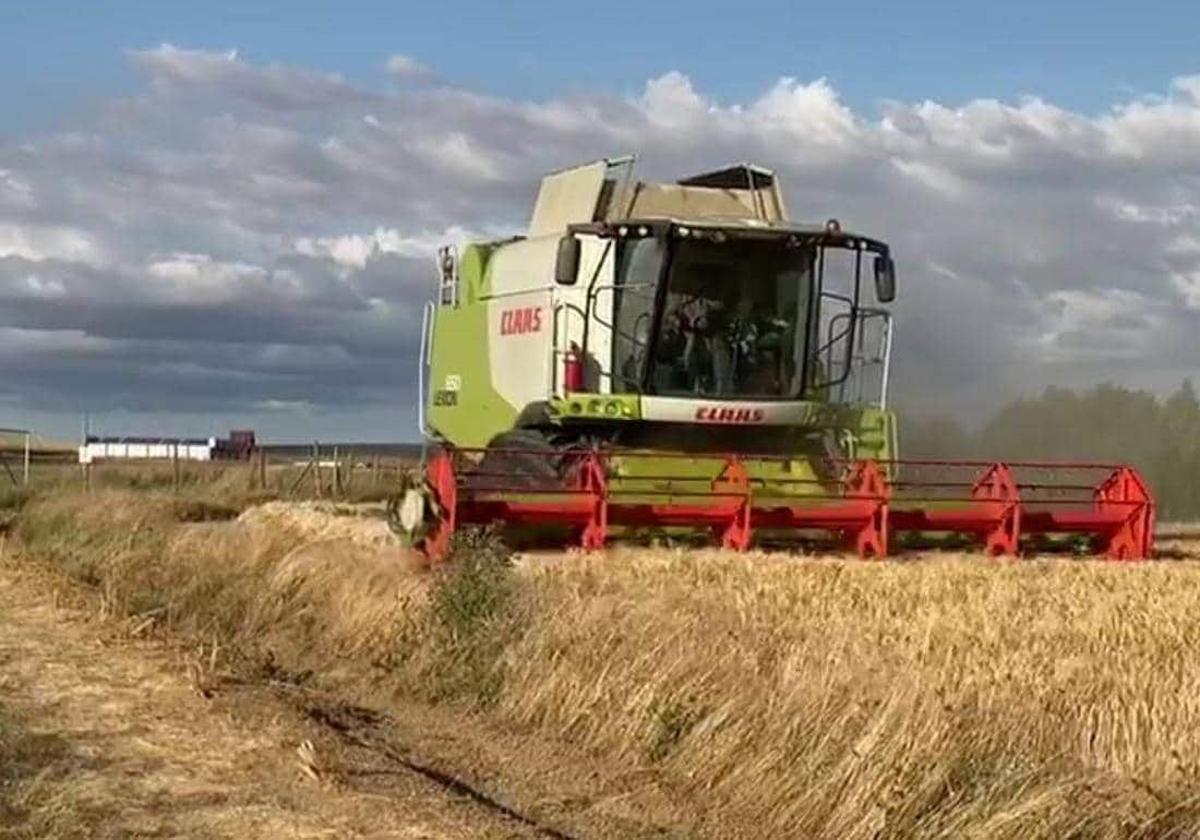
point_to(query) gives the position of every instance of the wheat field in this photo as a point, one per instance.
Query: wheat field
(945, 696)
(934, 696)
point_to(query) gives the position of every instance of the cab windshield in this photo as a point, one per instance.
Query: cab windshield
(733, 324)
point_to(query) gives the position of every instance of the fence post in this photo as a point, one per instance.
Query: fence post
(336, 490)
(262, 469)
(176, 477)
(27, 458)
(316, 459)
(255, 474)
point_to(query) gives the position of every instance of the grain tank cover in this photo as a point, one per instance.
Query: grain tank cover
(569, 196)
(605, 190)
(741, 177)
(743, 191)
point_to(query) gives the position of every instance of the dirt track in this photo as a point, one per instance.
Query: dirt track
(108, 736)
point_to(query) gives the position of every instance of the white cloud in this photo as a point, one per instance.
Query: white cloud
(407, 67)
(1161, 215)
(18, 342)
(44, 289)
(351, 250)
(273, 87)
(41, 242)
(1188, 284)
(932, 177)
(809, 111)
(354, 251)
(287, 406)
(458, 154)
(14, 192)
(670, 100)
(1189, 86)
(201, 66)
(1185, 244)
(186, 279)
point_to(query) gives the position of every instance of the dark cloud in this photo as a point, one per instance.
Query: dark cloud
(257, 241)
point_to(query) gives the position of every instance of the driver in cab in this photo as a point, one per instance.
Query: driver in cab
(722, 347)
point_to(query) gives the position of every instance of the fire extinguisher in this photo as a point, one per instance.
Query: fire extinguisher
(573, 369)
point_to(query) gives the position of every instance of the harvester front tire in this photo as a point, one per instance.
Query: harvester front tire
(525, 458)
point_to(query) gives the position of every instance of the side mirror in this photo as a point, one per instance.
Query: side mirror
(566, 264)
(885, 279)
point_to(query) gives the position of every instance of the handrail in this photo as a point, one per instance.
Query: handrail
(858, 363)
(428, 315)
(555, 353)
(887, 359)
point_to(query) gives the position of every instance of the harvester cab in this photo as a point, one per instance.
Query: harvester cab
(643, 314)
(667, 357)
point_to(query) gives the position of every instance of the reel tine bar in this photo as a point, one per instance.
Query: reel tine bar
(864, 507)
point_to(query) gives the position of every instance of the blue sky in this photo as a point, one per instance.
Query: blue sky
(58, 57)
(216, 215)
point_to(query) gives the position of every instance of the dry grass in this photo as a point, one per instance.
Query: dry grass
(236, 484)
(940, 697)
(29, 758)
(264, 584)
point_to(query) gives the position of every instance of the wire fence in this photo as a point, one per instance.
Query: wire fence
(325, 472)
(16, 445)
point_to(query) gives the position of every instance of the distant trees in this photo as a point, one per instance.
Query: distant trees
(1106, 423)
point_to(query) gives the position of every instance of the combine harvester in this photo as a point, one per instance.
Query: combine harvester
(682, 359)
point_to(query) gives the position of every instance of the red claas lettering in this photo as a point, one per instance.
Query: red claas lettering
(726, 414)
(527, 319)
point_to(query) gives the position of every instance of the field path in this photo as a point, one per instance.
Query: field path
(106, 735)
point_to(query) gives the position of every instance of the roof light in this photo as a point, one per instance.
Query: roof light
(643, 230)
(833, 226)
(622, 231)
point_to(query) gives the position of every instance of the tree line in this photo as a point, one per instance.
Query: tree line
(1109, 423)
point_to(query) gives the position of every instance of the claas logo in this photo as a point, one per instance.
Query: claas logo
(527, 319)
(724, 414)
